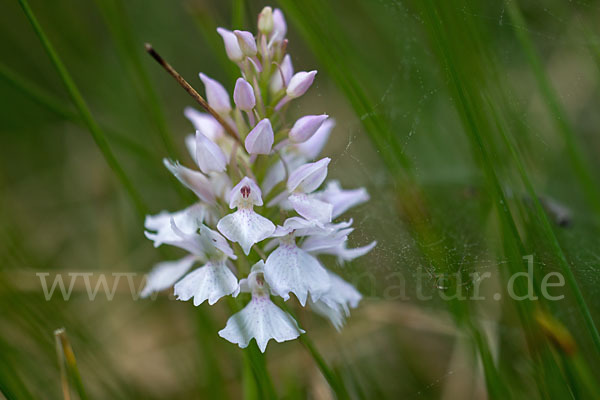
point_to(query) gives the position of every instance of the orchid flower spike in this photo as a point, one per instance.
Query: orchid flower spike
(261, 319)
(236, 152)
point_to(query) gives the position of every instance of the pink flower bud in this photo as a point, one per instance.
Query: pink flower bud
(305, 127)
(279, 26)
(300, 83)
(216, 95)
(246, 42)
(243, 95)
(260, 139)
(232, 48)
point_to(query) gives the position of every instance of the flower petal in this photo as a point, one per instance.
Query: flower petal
(193, 180)
(210, 282)
(216, 95)
(209, 155)
(263, 321)
(232, 47)
(334, 314)
(279, 25)
(290, 269)
(243, 95)
(247, 42)
(205, 123)
(311, 208)
(341, 293)
(342, 200)
(260, 139)
(305, 127)
(300, 83)
(246, 228)
(345, 254)
(308, 177)
(186, 220)
(318, 243)
(313, 146)
(165, 274)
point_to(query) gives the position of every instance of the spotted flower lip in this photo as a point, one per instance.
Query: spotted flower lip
(245, 226)
(240, 154)
(261, 319)
(289, 269)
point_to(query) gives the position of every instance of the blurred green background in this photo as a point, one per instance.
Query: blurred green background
(473, 125)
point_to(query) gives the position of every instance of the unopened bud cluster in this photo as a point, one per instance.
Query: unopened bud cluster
(262, 214)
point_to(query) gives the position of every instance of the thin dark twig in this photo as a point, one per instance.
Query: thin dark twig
(188, 88)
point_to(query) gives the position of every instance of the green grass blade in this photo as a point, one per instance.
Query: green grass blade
(115, 16)
(56, 106)
(578, 160)
(84, 111)
(71, 362)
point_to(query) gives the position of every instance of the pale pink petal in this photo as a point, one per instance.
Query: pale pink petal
(165, 274)
(247, 42)
(310, 207)
(206, 124)
(260, 139)
(232, 47)
(209, 155)
(210, 282)
(305, 127)
(290, 269)
(193, 180)
(308, 177)
(246, 228)
(300, 83)
(263, 321)
(216, 95)
(243, 95)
